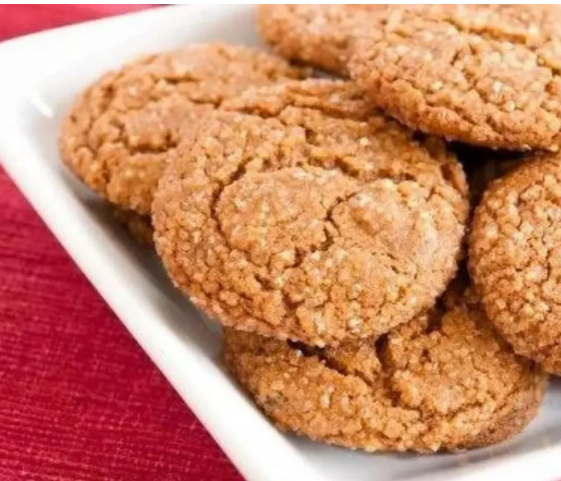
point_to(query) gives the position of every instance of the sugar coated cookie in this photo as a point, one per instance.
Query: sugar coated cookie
(299, 213)
(515, 252)
(444, 381)
(318, 35)
(120, 132)
(484, 74)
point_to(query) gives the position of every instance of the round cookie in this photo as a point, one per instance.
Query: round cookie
(297, 212)
(318, 35)
(483, 74)
(444, 381)
(514, 257)
(138, 226)
(120, 132)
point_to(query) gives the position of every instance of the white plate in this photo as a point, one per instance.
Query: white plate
(39, 75)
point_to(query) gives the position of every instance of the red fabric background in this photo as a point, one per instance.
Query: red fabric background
(78, 398)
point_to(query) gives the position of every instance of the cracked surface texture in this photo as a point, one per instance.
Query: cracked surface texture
(444, 381)
(139, 226)
(120, 133)
(298, 213)
(515, 252)
(483, 74)
(318, 35)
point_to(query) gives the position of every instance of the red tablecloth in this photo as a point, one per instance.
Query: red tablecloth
(78, 398)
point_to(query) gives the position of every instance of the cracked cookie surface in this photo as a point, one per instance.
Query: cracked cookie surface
(298, 213)
(483, 74)
(514, 258)
(444, 381)
(317, 35)
(119, 134)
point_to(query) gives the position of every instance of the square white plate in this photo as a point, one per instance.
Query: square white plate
(39, 75)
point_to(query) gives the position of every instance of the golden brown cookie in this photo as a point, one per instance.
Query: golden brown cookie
(484, 74)
(139, 226)
(299, 213)
(515, 247)
(444, 381)
(317, 35)
(121, 131)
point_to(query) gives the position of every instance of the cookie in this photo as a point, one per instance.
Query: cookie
(483, 74)
(318, 35)
(138, 226)
(120, 132)
(514, 256)
(444, 381)
(299, 213)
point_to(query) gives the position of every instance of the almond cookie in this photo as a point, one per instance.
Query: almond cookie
(317, 35)
(299, 213)
(120, 132)
(483, 74)
(444, 381)
(515, 247)
(138, 226)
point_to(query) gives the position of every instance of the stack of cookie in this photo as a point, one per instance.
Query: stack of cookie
(324, 222)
